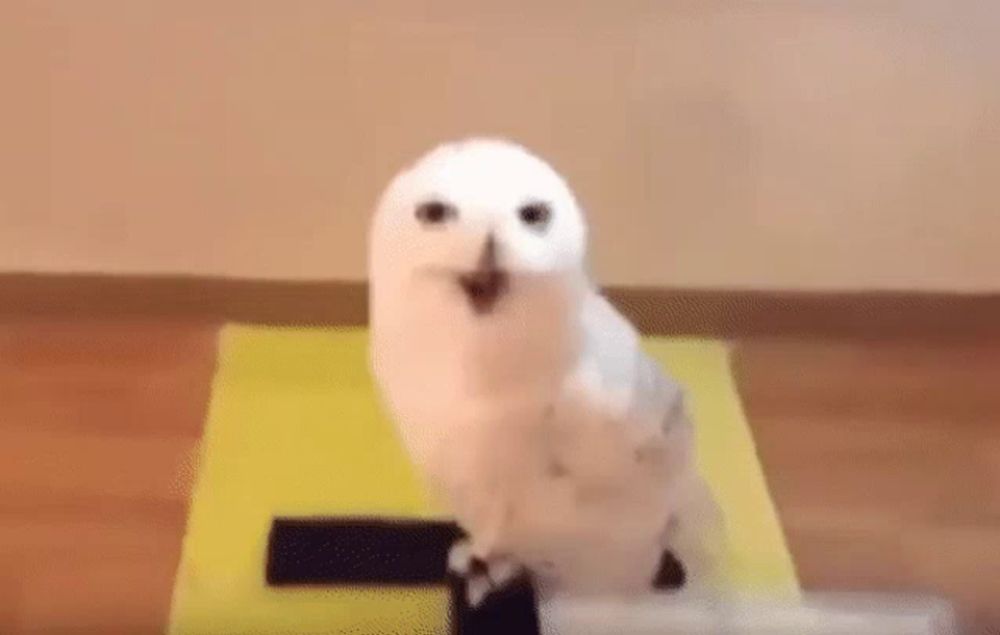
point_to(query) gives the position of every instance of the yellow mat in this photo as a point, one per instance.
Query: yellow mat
(294, 429)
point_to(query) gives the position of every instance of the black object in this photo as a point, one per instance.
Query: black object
(671, 574)
(359, 551)
(408, 552)
(351, 551)
(510, 610)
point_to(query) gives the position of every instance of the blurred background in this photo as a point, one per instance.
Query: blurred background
(783, 144)
(814, 149)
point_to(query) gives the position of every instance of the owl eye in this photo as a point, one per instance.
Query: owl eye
(435, 212)
(535, 215)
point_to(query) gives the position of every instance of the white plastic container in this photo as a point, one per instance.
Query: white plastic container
(814, 614)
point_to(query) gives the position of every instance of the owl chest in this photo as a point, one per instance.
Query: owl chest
(549, 473)
(560, 506)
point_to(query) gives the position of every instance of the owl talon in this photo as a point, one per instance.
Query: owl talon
(483, 577)
(501, 571)
(460, 558)
(477, 588)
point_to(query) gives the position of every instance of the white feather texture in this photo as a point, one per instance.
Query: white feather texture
(557, 443)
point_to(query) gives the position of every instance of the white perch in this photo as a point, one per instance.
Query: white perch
(814, 614)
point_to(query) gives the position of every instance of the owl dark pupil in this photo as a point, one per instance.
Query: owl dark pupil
(433, 212)
(534, 214)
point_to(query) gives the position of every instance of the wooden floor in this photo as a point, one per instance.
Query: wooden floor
(98, 426)
(883, 458)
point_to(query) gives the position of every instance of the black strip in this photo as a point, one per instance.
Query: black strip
(512, 610)
(353, 551)
(359, 551)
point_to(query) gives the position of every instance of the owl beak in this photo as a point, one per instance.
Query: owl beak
(484, 285)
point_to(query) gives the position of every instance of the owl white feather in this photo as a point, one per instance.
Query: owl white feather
(520, 392)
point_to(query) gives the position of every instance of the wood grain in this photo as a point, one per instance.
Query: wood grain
(715, 312)
(98, 424)
(883, 456)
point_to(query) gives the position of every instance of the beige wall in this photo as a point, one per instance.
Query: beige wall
(817, 144)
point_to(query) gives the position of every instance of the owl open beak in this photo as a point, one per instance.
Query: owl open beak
(485, 284)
